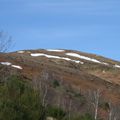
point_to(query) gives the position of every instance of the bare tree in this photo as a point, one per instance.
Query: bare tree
(94, 99)
(96, 96)
(114, 112)
(5, 41)
(110, 111)
(40, 83)
(44, 96)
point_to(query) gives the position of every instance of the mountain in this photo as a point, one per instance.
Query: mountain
(78, 82)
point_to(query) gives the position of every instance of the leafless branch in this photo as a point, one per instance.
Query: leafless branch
(5, 41)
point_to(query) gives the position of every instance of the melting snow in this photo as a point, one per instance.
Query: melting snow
(16, 66)
(55, 50)
(56, 57)
(85, 58)
(82, 57)
(10, 64)
(5, 63)
(117, 66)
(42, 54)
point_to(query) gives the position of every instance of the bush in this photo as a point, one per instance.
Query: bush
(55, 112)
(105, 106)
(56, 84)
(19, 101)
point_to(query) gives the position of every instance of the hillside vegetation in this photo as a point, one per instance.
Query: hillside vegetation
(19, 100)
(58, 85)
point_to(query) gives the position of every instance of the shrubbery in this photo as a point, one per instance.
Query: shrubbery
(56, 84)
(19, 101)
(55, 112)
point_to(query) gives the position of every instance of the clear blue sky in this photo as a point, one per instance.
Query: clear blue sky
(85, 25)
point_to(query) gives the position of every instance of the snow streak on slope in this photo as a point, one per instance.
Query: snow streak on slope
(5, 63)
(55, 50)
(16, 66)
(10, 64)
(56, 57)
(85, 58)
(117, 66)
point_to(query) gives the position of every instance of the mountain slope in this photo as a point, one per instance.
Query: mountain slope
(68, 73)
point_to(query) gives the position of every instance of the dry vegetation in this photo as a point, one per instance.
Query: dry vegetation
(75, 88)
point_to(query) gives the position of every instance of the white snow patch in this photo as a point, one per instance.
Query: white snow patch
(42, 54)
(117, 66)
(55, 50)
(16, 66)
(5, 63)
(56, 57)
(85, 58)
(82, 57)
(20, 51)
(10, 64)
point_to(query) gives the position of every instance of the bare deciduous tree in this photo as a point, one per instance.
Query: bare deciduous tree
(114, 112)
(40, 83)
(97, 96)
(5, 41)
(94, 97)
(110, 111)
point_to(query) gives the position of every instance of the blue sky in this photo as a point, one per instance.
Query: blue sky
(86, 25)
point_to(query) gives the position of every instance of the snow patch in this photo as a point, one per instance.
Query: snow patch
(10, 64)
(42, 54)
(82, 57)
(5, 63)
(16, 66)
(117, 66)
(85, 58)
(56, 57)
(55, 50)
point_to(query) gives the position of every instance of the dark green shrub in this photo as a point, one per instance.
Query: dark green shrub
(105, 106)
(55, 112)
(56, 84)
